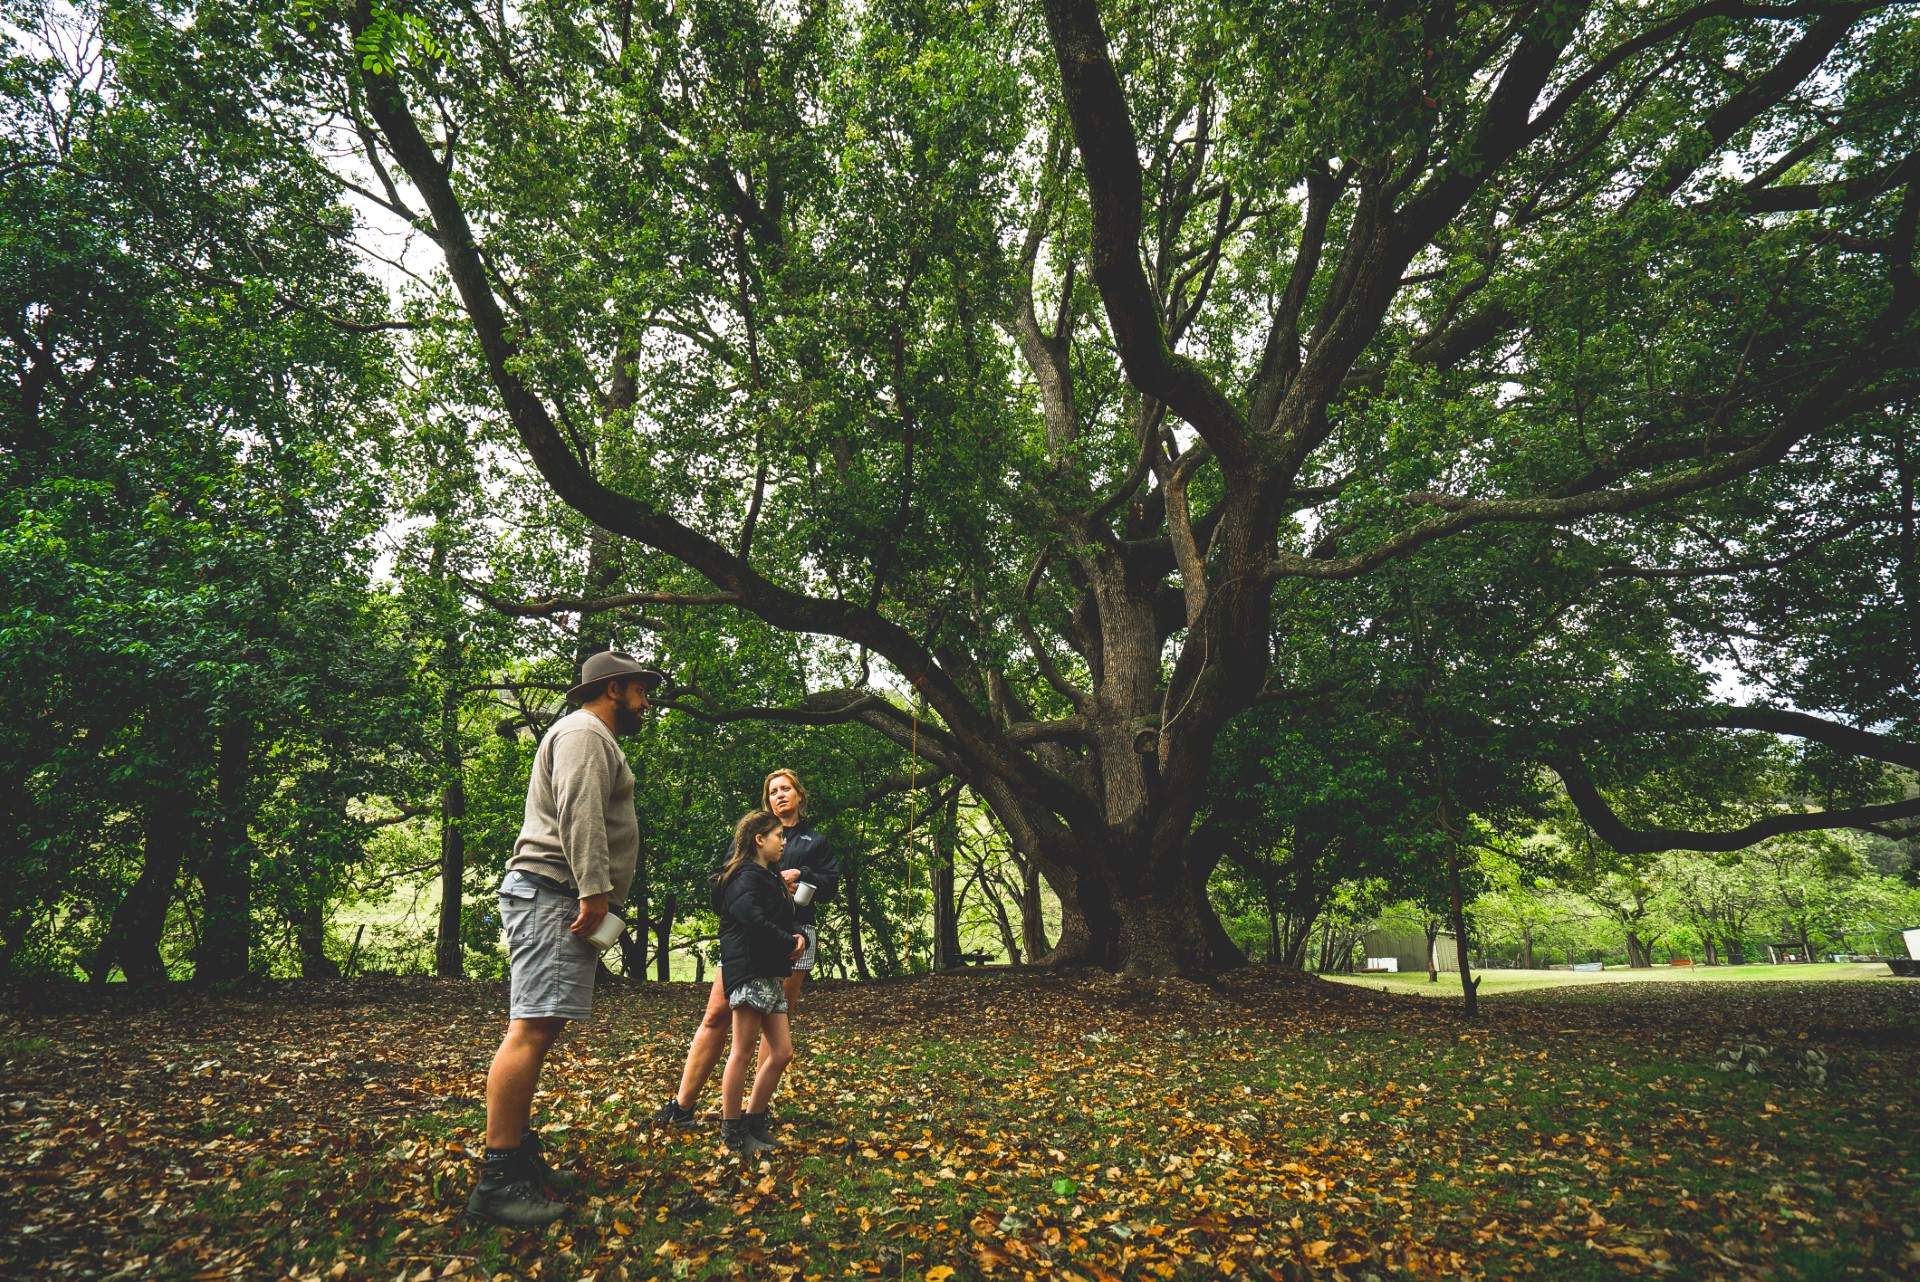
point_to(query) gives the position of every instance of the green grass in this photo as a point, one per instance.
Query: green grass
(1493, 982)
(1010, 1125)
(13, 1046)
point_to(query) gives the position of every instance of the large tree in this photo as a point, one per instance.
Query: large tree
(1027, 352)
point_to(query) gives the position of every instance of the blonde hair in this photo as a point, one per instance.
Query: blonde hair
(766, 786)
(752, 826)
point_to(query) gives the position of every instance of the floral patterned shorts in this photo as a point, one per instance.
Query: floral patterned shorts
(767, 996)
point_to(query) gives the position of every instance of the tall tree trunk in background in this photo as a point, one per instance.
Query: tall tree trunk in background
(633, 949)
(946, 917)
(1526, 947)
(1433, 960)
(133, 940)
(604, 568)
(310, 937)
(1033, 917)
(1638, 955)
(226, 866)
(989, 887)
(663, 938)
(1469, 986)
(1272, 896)
(449, 961)
(850, 887)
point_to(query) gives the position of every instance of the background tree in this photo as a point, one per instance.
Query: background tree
(199, 680)
(808, 233)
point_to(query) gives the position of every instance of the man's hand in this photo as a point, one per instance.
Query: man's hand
(593, 910)
(790, 876)
(799, 946)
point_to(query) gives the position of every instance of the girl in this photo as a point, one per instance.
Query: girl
(758, 945)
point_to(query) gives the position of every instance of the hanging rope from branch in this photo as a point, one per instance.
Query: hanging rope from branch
(913, 776)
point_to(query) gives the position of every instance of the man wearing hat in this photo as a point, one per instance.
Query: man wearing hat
(576, 854)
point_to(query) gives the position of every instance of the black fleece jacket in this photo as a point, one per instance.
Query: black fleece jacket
(809, 851)
(756, 926)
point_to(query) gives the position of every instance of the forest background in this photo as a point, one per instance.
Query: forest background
(1177, 492)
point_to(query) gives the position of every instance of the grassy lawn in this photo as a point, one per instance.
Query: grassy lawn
(1517, 981)
(1001, 1125)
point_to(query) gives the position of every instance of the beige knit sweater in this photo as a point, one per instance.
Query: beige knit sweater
(580, 826)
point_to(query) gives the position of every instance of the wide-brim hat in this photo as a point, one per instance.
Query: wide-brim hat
(609, 665)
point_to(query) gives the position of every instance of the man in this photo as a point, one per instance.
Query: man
(576, 854)
(808, 859)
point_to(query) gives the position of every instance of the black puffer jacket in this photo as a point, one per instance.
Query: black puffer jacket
(756, 926)
(809, 851)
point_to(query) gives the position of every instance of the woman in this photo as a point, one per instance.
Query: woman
(807, 859)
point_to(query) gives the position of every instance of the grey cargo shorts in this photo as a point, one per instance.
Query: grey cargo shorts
(551, 969)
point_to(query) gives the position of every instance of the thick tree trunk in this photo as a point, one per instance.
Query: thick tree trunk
(226, 867)
(1638, 955)
(310, 936)
(448, 961)
(1433, 959)
(946, 918)
(1526, 947)
(133, 939)
(633, 950)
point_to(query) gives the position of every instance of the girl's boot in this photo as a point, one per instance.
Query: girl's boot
(735, 1134)
(761, 1132)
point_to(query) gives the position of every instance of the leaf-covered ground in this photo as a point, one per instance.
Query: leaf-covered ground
(999, 1124)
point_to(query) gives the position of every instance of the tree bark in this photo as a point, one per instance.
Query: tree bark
(850, 886)
(946, 919)
(1469, 986)
(310, 936)
(226, 867)
(133, 940)
(1638, 955)
(449, 962)
(663, 938)
(1033, 921)
(990, 887)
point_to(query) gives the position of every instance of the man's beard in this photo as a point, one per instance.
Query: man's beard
(625, 720)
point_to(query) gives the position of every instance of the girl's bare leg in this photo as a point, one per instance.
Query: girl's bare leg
(774, 1058)
(733, 1082)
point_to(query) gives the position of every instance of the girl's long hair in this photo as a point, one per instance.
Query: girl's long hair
(752, 825)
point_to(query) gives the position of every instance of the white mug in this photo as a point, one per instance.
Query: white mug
(803, 892)
(606, 932)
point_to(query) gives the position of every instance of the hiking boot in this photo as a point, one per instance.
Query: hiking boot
(534, 1155)
(509, 1195)
(737, 1137)
(672, 1115)
(761, 1130)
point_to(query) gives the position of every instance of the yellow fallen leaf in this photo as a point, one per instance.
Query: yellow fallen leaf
(939, 1273)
